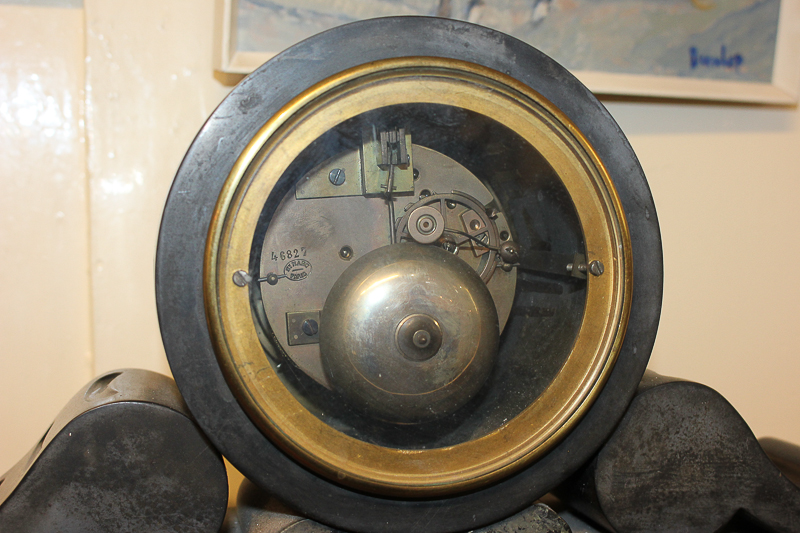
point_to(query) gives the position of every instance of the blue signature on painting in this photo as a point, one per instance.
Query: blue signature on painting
(721, 60)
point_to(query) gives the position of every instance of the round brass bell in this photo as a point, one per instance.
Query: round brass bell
(409, 333)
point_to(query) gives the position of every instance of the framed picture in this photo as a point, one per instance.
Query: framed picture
(730, 50)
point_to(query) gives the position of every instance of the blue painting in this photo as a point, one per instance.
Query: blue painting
(706, 39)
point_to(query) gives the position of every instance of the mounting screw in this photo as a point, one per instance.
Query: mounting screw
(310, 327)
(336, 176)
(241, 278)
(272, 278)
(509, 252)
(596, 268)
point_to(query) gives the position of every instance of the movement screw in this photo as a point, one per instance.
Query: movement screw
(346, 253)
(336, 176)
(241, 278)
(310, 327)
(596, 268)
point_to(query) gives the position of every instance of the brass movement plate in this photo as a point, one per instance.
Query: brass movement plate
(417, 473)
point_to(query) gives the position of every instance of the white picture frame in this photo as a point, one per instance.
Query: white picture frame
(784, 88)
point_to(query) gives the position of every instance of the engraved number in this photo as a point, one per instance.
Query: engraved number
(284, 255)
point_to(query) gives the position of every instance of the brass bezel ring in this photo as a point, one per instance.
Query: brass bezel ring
(523, 439)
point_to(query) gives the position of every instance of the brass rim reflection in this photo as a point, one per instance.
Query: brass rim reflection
(465, 466)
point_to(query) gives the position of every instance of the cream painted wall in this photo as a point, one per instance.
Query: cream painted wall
(726, 182)
(149, 88)
(125, 86)
(76, 290)
(45, 317)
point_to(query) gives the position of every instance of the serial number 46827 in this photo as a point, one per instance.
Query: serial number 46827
(283, 255)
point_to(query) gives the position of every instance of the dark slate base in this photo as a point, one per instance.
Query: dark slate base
(682, 459)
(123, 455)
(257, 512)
